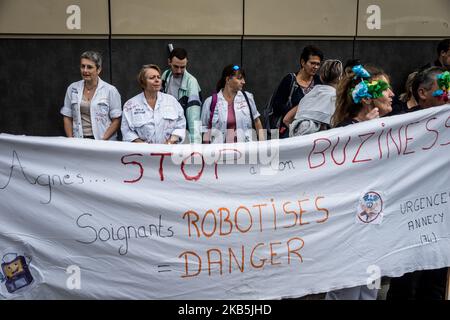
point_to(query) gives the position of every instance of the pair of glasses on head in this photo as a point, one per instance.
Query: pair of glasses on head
(238, 75)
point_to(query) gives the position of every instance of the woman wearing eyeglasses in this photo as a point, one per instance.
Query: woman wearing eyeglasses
(314, 111)
(153, 116)
(292, 88)
(230, 115)
(92, 107)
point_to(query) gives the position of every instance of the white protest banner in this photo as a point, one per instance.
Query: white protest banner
(114, 220)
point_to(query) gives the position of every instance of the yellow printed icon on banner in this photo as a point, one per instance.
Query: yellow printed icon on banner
(16, 273)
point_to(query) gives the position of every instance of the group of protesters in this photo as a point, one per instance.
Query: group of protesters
(168, 106)
(321, 95)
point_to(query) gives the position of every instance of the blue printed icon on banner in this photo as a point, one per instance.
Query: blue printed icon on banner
(370, 208)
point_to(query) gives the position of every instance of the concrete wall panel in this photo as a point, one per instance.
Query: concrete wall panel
(300, 17)
(174, 17)
(90, 17)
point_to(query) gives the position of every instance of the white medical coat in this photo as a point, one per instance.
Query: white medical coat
(105, 105)
(153, 125)
(219, 120)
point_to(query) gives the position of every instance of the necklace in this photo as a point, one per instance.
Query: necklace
(87, 95)
(301, 80)
(89, 89)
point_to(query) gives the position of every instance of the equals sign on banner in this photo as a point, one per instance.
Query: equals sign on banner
(164, 268)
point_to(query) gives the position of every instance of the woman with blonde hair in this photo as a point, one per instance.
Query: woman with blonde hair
(153, 116)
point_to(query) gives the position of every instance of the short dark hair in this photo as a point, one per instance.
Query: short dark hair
(180, 53)
(424, 79)
(311, 51)
(443, 45)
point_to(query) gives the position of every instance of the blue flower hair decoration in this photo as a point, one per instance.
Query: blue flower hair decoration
(360, 91)
(438, 93)
(370, 90)
(360, 72)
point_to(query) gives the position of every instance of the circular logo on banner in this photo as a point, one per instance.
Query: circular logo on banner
(370, 206)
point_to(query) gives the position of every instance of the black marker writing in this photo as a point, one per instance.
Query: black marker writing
(44, 180)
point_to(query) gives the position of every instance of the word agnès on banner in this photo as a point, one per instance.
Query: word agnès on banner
(45, 180)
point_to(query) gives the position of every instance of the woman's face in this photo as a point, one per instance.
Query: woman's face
(384, 103)
(312, 65)
(152, 80)
(89, 71)
(236, 83)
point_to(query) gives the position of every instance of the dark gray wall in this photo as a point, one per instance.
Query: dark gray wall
(206, 60)
(398, 58)
(267, 61)
(34, 73)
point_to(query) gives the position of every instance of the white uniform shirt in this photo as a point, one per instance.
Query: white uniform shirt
(105, 105)
(219, 119)
(153, 125)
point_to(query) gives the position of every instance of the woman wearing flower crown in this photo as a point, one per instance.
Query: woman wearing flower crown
(362, 95)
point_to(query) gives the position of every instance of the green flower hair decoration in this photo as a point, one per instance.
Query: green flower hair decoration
(377, 87)
(371, 90)
(443, 81)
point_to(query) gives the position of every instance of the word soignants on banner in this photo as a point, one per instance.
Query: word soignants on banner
(122, 233)
(224, 222)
